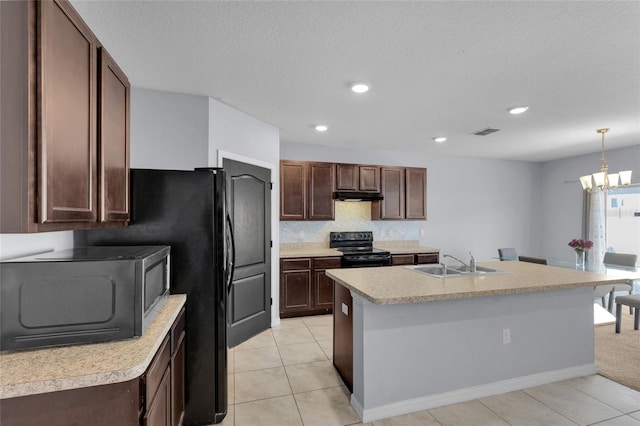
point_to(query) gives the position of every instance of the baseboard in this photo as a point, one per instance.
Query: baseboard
(470, 393)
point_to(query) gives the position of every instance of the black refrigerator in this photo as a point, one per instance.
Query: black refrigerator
(186, 210)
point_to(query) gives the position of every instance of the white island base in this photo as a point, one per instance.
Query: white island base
(414, 356)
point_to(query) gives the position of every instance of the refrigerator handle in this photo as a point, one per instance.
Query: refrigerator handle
(230, 259)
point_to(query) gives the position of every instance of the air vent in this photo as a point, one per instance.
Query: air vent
(485, 132)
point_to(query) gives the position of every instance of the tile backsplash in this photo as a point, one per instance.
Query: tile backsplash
(350, 216)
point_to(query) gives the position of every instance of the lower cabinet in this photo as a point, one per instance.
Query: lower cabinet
(343, 334)
(414, 259)
(154, 399)
(304, 287)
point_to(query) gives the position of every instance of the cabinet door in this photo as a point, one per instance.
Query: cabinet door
(67, 73)
(426, 258)
(324, 291)
(346, 177)
(343, 334)
(295, 291)
(159, 414)
(369, 178)
(402, 259)
(113, 141)
(393, 188)
(416, 181)
(293, 190)
(177, 382)
(321, 187)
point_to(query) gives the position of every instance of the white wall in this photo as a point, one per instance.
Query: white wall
(561, 202)
(473, 204)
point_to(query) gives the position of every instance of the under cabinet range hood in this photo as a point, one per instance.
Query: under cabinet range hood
(357, 196)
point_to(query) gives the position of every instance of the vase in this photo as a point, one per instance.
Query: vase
(580, 260)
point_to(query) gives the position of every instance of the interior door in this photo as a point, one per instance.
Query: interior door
(249, 208)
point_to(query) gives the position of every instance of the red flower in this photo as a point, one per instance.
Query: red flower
(580, 244)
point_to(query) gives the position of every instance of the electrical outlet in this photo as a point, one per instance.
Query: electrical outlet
(301, 235)
(506, 336)
(422, 232)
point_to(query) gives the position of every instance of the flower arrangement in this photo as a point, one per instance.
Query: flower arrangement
(580, 245)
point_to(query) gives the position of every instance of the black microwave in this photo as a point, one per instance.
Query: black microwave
(81, 295)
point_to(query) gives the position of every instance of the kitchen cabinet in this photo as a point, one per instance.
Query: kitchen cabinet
(65, 144)
(402, 259)
(343, 334)
(304, 287)
(414, 259)
(355, 177)
(306, 190)
(154, 398)
(405, 194)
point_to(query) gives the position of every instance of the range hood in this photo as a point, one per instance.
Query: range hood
(357, 196)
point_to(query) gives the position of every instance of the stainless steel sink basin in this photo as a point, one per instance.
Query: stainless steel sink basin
(461, 271)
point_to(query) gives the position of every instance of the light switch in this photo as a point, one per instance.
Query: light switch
(345, 309)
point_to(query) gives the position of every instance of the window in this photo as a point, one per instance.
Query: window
(623, 220)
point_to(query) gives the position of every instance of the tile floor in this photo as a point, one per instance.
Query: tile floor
(285, 376)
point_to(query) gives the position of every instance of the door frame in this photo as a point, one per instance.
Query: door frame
(275, 224)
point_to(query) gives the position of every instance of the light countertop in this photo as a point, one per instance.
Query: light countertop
(29, 372)
(398, 284)
(291, 250)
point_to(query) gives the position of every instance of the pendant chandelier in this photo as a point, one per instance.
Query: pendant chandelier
(603, 179)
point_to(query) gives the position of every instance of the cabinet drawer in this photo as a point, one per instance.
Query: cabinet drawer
(156, 371)
(402, 259)
(327, 262)
(295, 264)
(426, 258)
(176, 330)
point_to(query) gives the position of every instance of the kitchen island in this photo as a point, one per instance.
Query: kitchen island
(420, 342)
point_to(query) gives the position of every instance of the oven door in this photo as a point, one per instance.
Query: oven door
(365, 261)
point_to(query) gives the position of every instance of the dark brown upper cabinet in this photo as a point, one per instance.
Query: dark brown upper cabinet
(392, 207)
(405, 194)
(354, 177)
(64, 151)
(306, 190)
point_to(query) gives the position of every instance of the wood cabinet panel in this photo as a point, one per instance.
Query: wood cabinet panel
(321, 186)
(295, 264)
(402, 259)
(293, 190)
(178, 382)
(416, 193)
(392, 184)
(343, 334)
(369, 178)
(67, 126)
(324, 291)
(347, 177)
(159, 413)
(295, 291)
(305, 289)
(156, 371)
(113, 140)
(427, 258)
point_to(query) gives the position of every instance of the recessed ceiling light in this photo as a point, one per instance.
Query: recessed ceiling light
(440, 139)
(518, 109)
(321, 128)
(360, 87)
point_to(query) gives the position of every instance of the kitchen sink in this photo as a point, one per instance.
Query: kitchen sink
(461, 271)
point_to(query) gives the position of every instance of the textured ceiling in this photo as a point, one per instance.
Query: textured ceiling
(436, 68)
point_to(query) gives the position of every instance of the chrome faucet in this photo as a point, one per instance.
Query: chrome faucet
(472, 263)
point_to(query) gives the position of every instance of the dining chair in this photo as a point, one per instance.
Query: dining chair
(507, 253)
(530, 259)
(620, 259)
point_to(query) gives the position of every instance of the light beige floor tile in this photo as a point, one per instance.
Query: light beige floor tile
(620, 421)
(312, 376)
(422, 418)
(326, 407)
(262, 340)
(322, 332)
(327, 347)
(318, 320)
(280, 411)
(635, 415)
(260, 384)
(614, 394)
(570, 402)
(257, 359)
(231, 365)
(231, 380)
(290, 323)
(518, 408)
(290, 336)
(301, 353)
(470, 413)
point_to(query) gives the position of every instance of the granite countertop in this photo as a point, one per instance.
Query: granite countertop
(290, 250)
(398, 284)
(29, 372)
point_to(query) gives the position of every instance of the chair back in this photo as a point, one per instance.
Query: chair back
(620, 259)
(533, 260)
(507, 254)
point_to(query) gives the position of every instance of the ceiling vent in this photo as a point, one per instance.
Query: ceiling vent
(485, 132)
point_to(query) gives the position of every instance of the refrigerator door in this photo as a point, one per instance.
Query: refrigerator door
(186, 210)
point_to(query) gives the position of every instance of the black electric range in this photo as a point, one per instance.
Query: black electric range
(358, 250)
